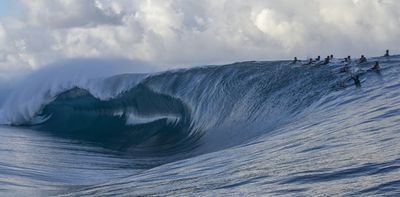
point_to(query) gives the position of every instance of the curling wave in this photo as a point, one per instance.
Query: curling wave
(201, 109)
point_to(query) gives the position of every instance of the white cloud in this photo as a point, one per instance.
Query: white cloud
(178, 32)
(3, 35)
(70, 13)
(277, 27)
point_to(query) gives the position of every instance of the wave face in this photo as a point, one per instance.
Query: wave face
(257, 113)
(176, 111)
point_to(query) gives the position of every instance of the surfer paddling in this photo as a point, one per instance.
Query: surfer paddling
(387, 53)
(376, 66)
(295, 60)
(363, 59)
(356, 80)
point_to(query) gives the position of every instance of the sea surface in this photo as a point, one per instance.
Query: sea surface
(244, 129)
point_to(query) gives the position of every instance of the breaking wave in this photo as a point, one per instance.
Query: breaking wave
(171, 112)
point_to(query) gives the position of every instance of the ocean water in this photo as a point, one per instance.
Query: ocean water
(245, 129)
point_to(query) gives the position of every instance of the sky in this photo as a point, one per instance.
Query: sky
(183, 33)
(8, 7)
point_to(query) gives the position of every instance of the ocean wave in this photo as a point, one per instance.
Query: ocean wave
(250, 128)
(178, 110)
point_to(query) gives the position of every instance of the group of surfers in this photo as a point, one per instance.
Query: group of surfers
(361, 60)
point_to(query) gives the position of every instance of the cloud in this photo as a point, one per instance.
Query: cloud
(3, 35)
(69, 14)
(278, 27)
(174, 33)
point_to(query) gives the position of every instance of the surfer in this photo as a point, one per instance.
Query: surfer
(376, 67)
(331, 57)
(356, 81)
(387, 53)
(347, 59)
(362, 59)
(326, 60)
(310, 61)
(318, 58)
(295, 60)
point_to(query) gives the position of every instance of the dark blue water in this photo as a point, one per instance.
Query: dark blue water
(246, 129)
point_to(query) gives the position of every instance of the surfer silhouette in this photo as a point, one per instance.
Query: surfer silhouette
(347, 59)
(376, 66)
(295, 60)
(310, 61)
(326, 60)
(362, 59)
(356, 80)
(318, 58)
(387, 53)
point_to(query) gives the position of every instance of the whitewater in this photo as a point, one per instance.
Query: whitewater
(258, 128)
